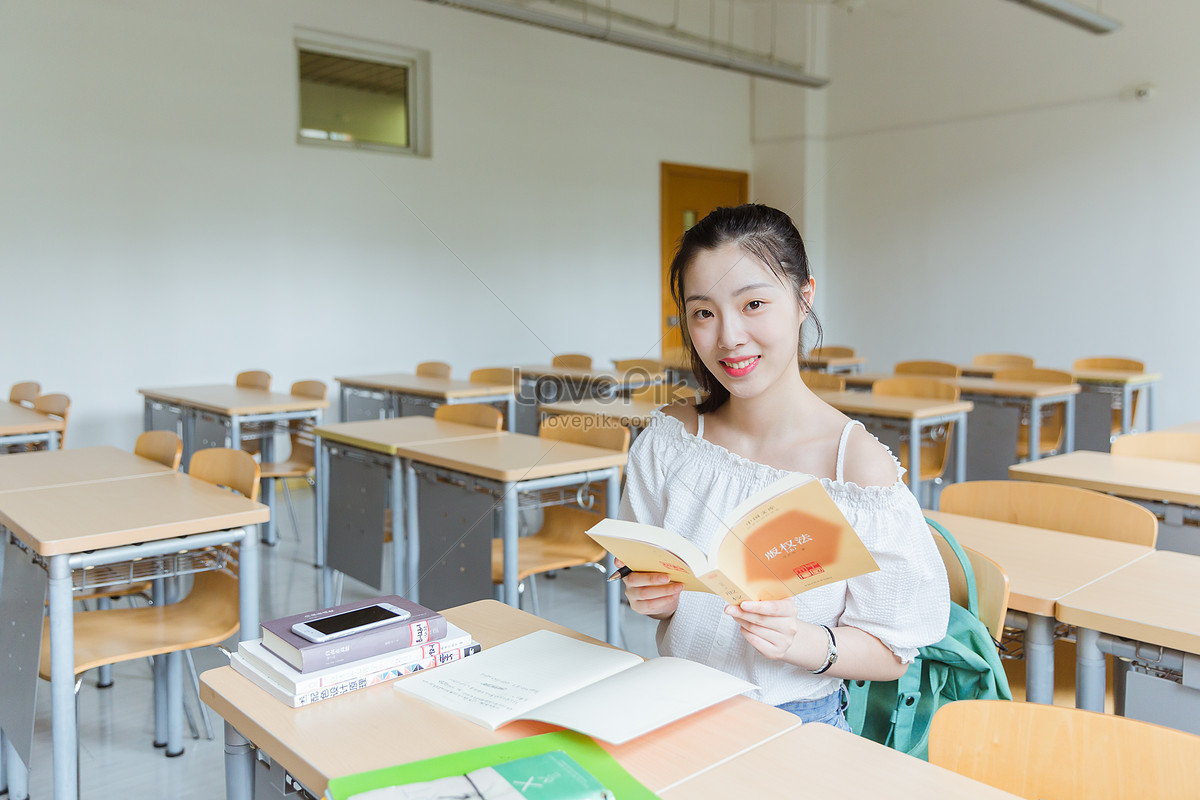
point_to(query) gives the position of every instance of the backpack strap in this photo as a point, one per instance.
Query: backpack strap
(965, 563)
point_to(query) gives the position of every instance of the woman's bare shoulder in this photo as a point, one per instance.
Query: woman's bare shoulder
(867, 462)
(685, 412)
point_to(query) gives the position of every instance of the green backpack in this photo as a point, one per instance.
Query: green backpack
(965, 665)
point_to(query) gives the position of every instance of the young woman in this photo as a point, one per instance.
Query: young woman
(743, 287)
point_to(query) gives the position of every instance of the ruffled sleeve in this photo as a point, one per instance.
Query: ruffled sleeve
(906, 603)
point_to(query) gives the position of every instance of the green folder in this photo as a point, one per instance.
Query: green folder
(591, 756)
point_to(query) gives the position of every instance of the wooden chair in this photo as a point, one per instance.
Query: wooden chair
(935, 369)
(1119, 365)
(572, 361)
(823, 381)
(253, 432)
(1053, 425)
(935, 445)
(831, 351)
(24, 393)
(207, 615)
(648, 365)
(1167, 445)
(301, 461)
(164, 447)
(663, 393)
(561, 541)
(1002, 360)
(478, 414)
(991, 584)
(56, 405)
(1044, 751)
(433, 369)
(497, 375)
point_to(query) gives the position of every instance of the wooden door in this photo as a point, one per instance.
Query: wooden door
(688, 194)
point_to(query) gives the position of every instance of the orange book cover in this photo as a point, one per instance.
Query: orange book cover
(782, 541)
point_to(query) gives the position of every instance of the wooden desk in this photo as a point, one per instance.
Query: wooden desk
(378, 727)
(397, 391)
(1114, 386)
(344, 450)
(1187, 427)
(835, 364)
(995, 424)
(85, 525)
(495, 470)
(213, 416)
(79, 465)
(634, 414)
(1151, 602)
(1042, 567)
(20, 425)
(912, 415)
(822, 761)
(549, 384)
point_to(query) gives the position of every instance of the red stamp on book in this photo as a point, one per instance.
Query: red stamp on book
(808, 570)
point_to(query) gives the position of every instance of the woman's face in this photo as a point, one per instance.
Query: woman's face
(743, 319)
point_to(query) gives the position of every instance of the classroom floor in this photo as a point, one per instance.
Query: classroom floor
(117, 758)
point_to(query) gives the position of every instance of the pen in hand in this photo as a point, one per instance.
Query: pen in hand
(620, 573)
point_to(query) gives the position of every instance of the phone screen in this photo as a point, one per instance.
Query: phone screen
(352, 619)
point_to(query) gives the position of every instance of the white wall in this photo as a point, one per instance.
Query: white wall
(160, 226)
(991, 186)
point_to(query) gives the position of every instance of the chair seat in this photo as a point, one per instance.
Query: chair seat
(536, 554)
(209, 614)
(120, 590)
(292, 468)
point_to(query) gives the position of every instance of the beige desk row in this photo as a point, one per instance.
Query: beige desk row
(17, 420)
(232, 400)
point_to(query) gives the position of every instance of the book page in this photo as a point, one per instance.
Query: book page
(502, 683)
(648, 548)
(640, 699)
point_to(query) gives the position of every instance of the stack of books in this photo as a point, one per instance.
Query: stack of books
(298, 672)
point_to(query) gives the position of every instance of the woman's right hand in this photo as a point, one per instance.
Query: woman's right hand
(652, 593)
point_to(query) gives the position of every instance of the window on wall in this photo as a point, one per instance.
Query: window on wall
(362, 95)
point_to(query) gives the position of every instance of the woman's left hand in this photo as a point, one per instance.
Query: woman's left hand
(770, 626)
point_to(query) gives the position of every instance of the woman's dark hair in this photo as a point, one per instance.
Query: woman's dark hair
(766, 233)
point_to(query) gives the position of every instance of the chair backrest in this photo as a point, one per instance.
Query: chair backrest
(300, 430)
(572, 361)
(24, 393)
(1036, 750)
(599, 432)
(663, 393)
(478, 414)
(164, 447)
(498, 375)
(1003, 360)
(254, 379)
(1058, 508)
(1110, 362)
(991, 584)
(926, 387)
(647, 365)
(940, 369)
(1033, 375)
(224, 466)
(1167, 445)
(433, 369)
(823, 381)
(831, 351)
(56, 405)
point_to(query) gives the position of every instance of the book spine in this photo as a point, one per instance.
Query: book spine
(359, 646)
(354, 669)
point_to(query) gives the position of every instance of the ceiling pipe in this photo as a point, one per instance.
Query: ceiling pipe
(737, 63)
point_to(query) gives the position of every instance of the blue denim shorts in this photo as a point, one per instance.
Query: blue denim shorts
(828, 710)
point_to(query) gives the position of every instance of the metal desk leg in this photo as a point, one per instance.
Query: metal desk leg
(174, 704)
(1149, 389)
(62, 680)
(248, 592)
(1090, 671)
(343, 402)
(1035, 429)
(400, 583)
(320, 500)
(511, 524)
(267, 447)
(187, 416)
(239, 766)
(510, 408)
(158, 595)
(1069, 421)
(960, 448)
(1126, 408)
(16, 775)
(147, 414)
(412, 533)
(1039, 659)
(612, 591)
(914, 458)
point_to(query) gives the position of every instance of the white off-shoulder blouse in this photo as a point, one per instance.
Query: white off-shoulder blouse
(684, 483)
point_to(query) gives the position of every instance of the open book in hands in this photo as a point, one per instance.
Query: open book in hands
(786, 539)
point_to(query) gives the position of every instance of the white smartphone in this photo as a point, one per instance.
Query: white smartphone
(348, 623)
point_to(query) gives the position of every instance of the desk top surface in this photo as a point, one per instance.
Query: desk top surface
(232, 400)
(79, 465)
(513, 456)
(976, 385)
(445, 388)
(827, 762)
(388, 435)
(1042, 565)
(1152, 600)
(867, 404)
(91, 516)
(378, 727)
(626, 411)
(1139, 478)
(1115, 376)
(17, 420)
(577, 373)
(1186, 427)
(834, 361)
